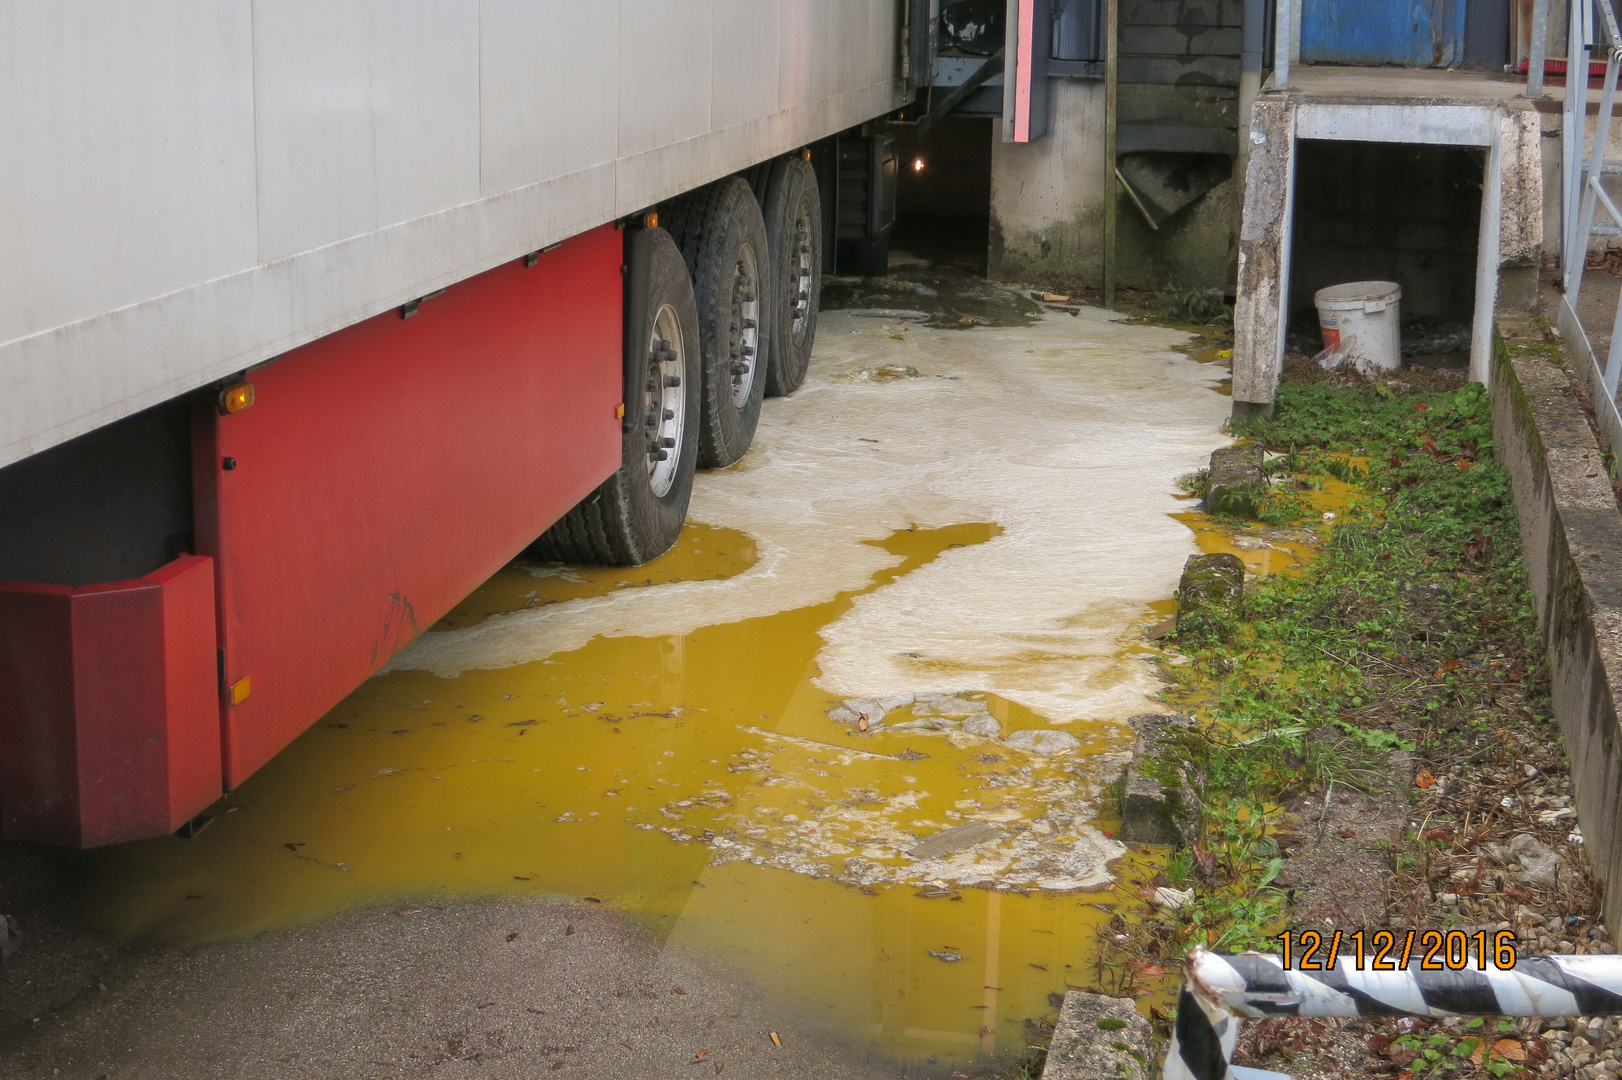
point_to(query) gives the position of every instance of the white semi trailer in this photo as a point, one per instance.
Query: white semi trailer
(315, 312)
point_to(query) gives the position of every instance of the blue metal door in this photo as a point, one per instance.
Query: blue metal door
(1411, 33)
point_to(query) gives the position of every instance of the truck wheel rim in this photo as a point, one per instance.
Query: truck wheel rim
(800, 279)
(745, 350)
(665, 402)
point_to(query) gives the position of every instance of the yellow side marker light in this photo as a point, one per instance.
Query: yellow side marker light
(619, 411)
(650, 220)
(233, 399)
(240, 691)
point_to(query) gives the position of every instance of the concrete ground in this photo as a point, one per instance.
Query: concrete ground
(487, 989)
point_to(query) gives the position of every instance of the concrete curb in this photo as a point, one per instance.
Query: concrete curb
(1100, 1038)
(1571, 538)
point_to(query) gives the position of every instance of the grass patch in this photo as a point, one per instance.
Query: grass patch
(1411, 632)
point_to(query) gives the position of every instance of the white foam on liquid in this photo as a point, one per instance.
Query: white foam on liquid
(1069, 433)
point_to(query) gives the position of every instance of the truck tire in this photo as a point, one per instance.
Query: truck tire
(638, 512)
(793, 212)
(723, 239)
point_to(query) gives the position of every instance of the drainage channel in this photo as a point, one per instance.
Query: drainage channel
(951, 524)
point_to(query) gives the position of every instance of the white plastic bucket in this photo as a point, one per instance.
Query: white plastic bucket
(1360, 325)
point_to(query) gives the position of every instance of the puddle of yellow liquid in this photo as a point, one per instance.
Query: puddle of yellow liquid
(701, 553)
(553, 779)
(1266, 550)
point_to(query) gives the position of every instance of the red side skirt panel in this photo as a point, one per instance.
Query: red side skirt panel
(109, 712)
(385, 471)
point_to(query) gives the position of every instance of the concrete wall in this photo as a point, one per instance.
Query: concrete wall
(1198, 247)
(1047, 217)
(1571, 537)
(1047, 211)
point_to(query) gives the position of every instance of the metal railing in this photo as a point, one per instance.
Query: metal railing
(1219, 991)
(1583, 192)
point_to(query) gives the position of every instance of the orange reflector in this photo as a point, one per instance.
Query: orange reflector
(806, 153)
(233, 399)
(619, 411)
(650, 220)
(239, 692)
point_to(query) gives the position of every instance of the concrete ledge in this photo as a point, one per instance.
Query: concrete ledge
(1100, 1038)
(1571, 537)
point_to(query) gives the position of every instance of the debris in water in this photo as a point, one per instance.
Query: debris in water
(958, 838)
(1167, 897)
(1042, 742)
(946, 957)
(884, 373)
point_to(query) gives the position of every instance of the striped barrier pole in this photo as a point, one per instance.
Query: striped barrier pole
(1219, 990)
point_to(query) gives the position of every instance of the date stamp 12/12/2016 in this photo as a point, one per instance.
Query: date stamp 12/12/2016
(1393, 950)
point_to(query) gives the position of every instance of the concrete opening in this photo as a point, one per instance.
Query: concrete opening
(1390, 212)
(943, 192)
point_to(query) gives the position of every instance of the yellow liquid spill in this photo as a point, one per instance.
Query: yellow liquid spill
(555, 779)
(1266, 550)
(701, 553)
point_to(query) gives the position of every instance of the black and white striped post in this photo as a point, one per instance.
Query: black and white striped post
(1220, 990)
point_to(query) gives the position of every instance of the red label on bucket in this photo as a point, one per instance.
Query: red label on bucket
(1331, 336)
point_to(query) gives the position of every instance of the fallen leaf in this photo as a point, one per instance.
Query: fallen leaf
(1346, 834)
(678, 990)
(1421, 407)
(513, 936)
(1510, 1049)
(1424, 778)
(700, 1055)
